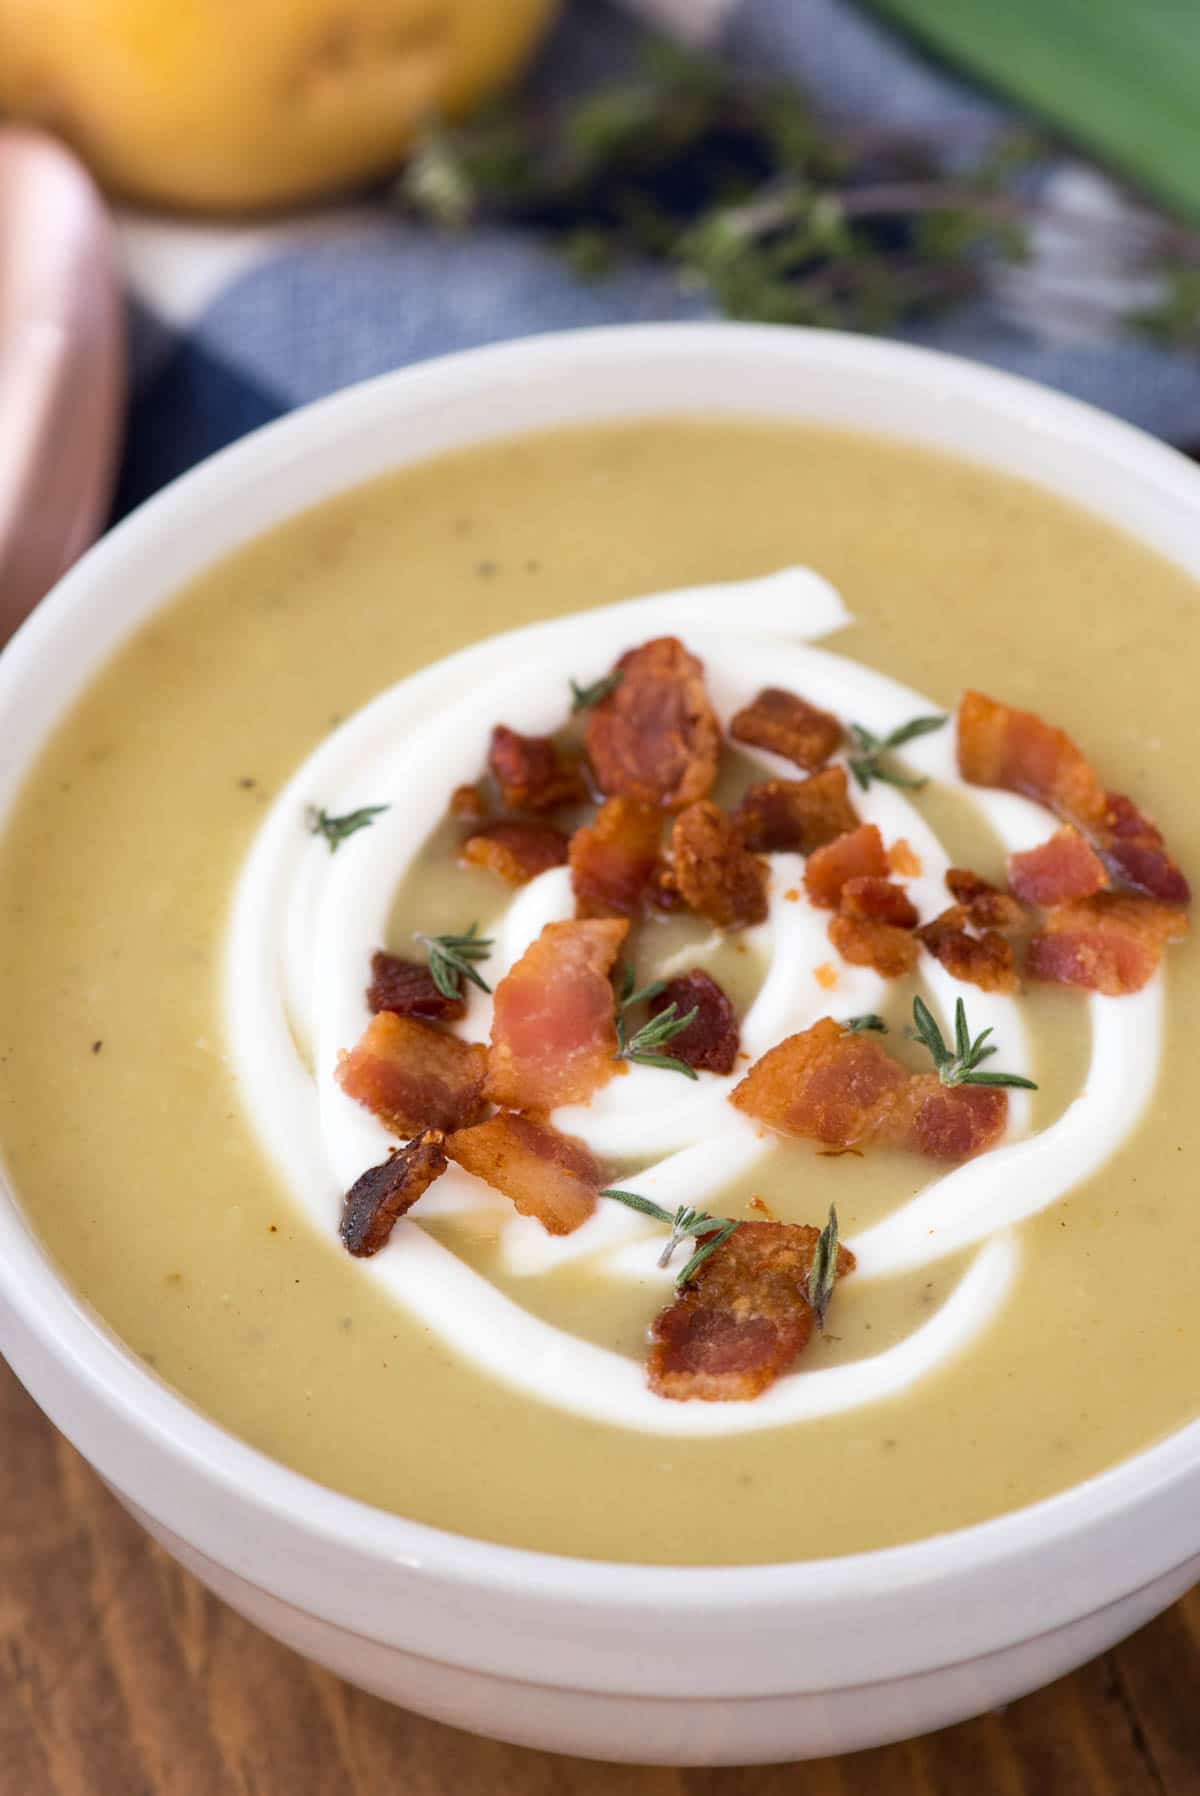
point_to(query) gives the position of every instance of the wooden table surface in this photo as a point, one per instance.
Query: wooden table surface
(121, 1676)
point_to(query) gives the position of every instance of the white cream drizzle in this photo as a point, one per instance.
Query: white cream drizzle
(305, 922)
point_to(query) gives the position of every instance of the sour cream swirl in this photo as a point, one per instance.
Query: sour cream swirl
(304, 925)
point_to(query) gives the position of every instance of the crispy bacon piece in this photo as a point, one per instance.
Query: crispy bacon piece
(985, 960)
(788, 725)
(797, 815)
(866, 942)
(517, 851)
(1001, 746)
(544, 1174)
(878, 900)
(986, 906)
(614, 858)
(553, 1033)
(856, 855)
(710, 1043)
(414, 1077)
(406, 986)
(1110, 943)
(945, 1122)
(715, 872)
(822, 1085)
(1057, 871)
(662, 891)
(655, 737)
(467, 803)
(1133, 850)
(376, 1202)
(902, 859)
(532, 772)
(743, 1319)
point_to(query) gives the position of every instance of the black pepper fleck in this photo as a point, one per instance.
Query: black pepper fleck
(96, 1046)
(485, 569)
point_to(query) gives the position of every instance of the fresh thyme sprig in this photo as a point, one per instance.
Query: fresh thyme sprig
(868, 763)
(452, 958)
(961, 1066)
(336, 829)
(823, 1273)
(584, 697)
(860, 1025)
(708, 1231)
(642, 1048)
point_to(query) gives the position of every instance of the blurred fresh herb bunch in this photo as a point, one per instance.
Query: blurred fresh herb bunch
(732, 180)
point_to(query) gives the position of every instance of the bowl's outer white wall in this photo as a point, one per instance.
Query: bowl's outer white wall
(493, 1610)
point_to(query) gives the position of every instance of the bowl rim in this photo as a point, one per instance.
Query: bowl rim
(35, 1297)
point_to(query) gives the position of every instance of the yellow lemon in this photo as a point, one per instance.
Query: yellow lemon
(241, 104)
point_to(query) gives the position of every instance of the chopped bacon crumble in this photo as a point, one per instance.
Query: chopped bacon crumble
(553, 1030)
(986, 906)
(796, 815)
(533, 773)
(715, 873)
(986, 960)
(786, 724)
(407, 987)
(710, 1042)
(743, 1319)
(889, 948)
(1057, 871)
(614, 858)
(1110, 943)
(413, 1076)
(655, 737)
(542, 1172)
(376, 1202)
(515, 850)
(878, 901)
(856, 855)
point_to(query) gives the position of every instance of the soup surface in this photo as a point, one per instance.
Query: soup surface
(139, 1125)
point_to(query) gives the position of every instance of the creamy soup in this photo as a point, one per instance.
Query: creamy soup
(183, 964)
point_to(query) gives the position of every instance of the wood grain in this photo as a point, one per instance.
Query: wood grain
(121, 1676)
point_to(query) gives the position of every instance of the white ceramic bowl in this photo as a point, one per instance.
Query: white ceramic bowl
(680, 1666)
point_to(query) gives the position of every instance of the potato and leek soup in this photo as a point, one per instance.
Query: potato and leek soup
(627, 993)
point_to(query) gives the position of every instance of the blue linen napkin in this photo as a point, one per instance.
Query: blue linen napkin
(234, 325)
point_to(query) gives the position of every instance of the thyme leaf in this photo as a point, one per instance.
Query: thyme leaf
(869, 762)
(336, 829)
(685, 1222)
(452, 958)
(860, 1025)
(642, 1048)
(584, 697)
(823, 1273)
(960, 1067)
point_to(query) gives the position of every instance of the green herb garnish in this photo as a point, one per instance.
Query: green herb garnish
(584, 697)
(961, 1066)
(868, 763)
(860, 1025)
(823, 1274)
(452, 957)
(643, 1047)
(709, 1231)
(336, 829)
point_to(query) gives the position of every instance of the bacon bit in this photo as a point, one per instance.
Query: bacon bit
(858, 854)
(655, 737)
(864, 942)
(945, 1122)
(532, 772)
(826, 976)
(716, 874)
(1110, 943)
(553, 1033)
(614, 858)
(788, 725)
(986, 906)
(662, 891)
(764, 1209)
(985, 960)
(902, 860)
(1000, 746)
(406, 986)
(516, 851)
(792, 894)
(879, 901)
(710, 1042)
(743, 1319)
(822, 1085)
(467, 802)
(543, 1173)
(797, 815)
(1057, 871)
(376, 1202)
(413, 1077)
